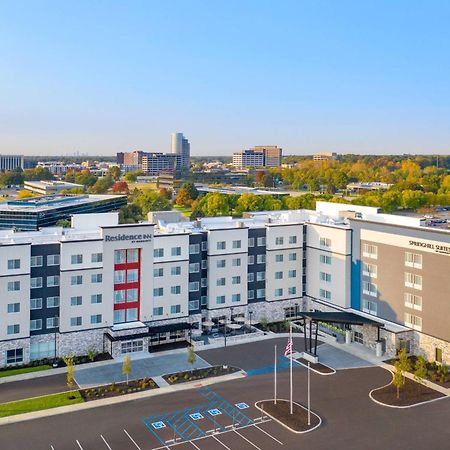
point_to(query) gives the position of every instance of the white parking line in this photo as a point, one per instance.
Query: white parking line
(131, 439)
(195, 445)
(248, 440)
(104, 440)
(221, 443)
(268, 434)
(51, 447)
(79, 445)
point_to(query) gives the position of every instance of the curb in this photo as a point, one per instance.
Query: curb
(121, 399)
(316, 371)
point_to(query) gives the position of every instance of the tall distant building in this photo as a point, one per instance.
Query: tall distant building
(11, 162)
(325, 156)
(181, 147)
(258, 157)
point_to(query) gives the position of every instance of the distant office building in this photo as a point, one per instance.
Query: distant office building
(325, 156)
(258, 157)
(50, 187)
(11, 162)
(36, 212)
(368, 186)
(155, 163)
(182, 149)
(58, 168)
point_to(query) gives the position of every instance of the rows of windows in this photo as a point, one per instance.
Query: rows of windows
(159, 310)
(78, 258)
(38, 261)
(126, 256)
(260, 242)
(51, 322)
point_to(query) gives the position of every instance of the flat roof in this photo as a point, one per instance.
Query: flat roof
(340, 317)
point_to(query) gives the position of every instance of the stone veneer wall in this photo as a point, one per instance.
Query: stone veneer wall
(16, 343)
(426, 346)
(79, 343)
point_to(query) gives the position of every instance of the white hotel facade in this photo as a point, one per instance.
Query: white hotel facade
(124, 288)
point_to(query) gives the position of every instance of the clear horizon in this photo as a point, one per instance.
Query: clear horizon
(102, 77)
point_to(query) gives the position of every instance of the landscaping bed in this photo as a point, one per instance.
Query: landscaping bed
(410, 394)
(116, 389)
(199, 374)
(316, 366)
(297, 422)
(274, 327)
(77, 360)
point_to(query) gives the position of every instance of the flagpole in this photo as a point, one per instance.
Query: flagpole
(275, 376)
(290, 366)
(309, 395)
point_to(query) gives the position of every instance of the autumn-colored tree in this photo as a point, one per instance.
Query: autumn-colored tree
(120, 186)
(183, 198)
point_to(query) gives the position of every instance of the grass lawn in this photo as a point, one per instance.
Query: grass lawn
(39, 403)
(185, 211)
(19, 370)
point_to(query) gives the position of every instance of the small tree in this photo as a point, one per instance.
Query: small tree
(420, 370)
(398, 379)
(126, 366)
(92, 353)
(264, 322)
(192, 357)
(404, 362)
(68, 360)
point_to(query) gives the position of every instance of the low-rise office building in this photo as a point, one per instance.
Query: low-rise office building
(50, 187)
(124, 288)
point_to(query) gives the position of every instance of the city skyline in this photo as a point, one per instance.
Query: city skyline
(309, 77)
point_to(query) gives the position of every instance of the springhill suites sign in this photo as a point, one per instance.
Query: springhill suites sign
(134, 238)
(438, 248)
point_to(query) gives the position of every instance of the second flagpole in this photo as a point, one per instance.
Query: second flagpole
(275, 377)
(290, 367)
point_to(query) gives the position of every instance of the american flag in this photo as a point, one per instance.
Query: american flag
(288, 349)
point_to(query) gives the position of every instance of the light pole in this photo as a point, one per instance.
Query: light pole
(296, 310)
(250, 314)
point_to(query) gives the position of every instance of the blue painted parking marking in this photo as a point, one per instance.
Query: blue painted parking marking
(158, 425)
(214, 412)
(196, 416)
(241, 405)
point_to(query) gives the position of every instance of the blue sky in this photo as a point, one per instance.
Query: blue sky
(319, 75)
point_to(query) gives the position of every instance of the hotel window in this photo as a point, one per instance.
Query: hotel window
(96, 319)
(370, 288)
(13, 307)
(251, 242)
(76, 259)
(260, 276)
(370, 251)
(251, 260)
(203, 300)
(76, 321)
(292, 290)
(194, 267)
(323, 293)
(35, 283)
(237, 244)
(158, 253)
(175, 290)
(236, 280)
(119, 296)
(369, 307)
(204, 246)
(15, 329)
(175, 309)
(324, 276)
(119, 316)
(119, 276)
(36, 261)
(53, 302)
(325, 242)
(14, 356)
(278, 292)
(279, 241)
(279, 258)
(97, 257)
(260, 293)
(236, 298)
(194, 305)
(194, 249)
(292, 256)
(15, 285)
(325, 259)
(132, 255)
(35, 325)
(13, 264)
(76, 301)
(120, 256)
(292, 239)
(250, 277)
(261, 241)
(132, 295)
(204, 282)
(175, 251)
(96, 298)
(413, 260)
(220, 263)
(369, 270)
(132, 314)
(52, 322)
(35, 303)
(220, 282)
(52, 260)
(414, 322)
(260, 259)
(438, 354)
(204, 264)
(278, 275)
(53, 281)
(413, 301)
(194, 286)
(413, 281)
(158, 272)
(236, 262)
(292, 274)
(76, 280)
(175, 270)
(159, 311)
(251, 294)
(132, 276)
(220, 299)
(221, 245)
(96, 278)
(158, 292)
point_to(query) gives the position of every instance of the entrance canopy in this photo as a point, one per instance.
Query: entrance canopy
(347, 318)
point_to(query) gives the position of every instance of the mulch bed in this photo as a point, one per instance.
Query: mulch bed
(199, 374)
(410, 394)
(316, 366)
(116, 389)
(298, 421)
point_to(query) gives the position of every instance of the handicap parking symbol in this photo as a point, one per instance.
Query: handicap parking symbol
(242, 406)
(158, 425)
(196, 416)
(214, 412)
